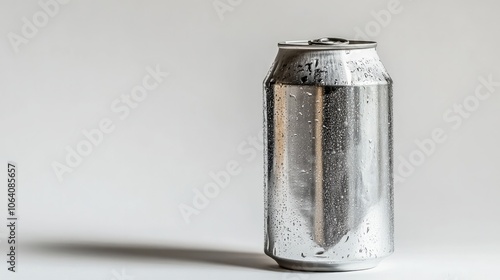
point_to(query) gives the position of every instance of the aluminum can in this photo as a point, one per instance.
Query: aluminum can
(328, 156)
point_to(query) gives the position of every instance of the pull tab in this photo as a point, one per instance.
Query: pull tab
(329, 41)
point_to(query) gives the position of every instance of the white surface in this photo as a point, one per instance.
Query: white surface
(128, 190)
(133, 261)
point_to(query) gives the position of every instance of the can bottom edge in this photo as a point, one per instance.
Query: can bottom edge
(326, 266)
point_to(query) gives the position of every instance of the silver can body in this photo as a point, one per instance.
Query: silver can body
(328, 157)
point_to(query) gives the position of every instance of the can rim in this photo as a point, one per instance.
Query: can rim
(327, 43)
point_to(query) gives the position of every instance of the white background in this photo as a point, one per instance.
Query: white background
(117, 214)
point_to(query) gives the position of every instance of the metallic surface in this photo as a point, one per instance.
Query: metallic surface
(326, 43)
(328, 159)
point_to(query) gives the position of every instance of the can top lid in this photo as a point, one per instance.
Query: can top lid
(327, 43)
